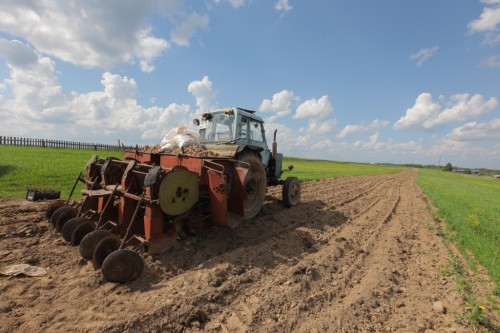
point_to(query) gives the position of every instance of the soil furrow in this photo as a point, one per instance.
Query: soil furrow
(354, 256)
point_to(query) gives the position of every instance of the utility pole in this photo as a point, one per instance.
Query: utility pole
(439, 160)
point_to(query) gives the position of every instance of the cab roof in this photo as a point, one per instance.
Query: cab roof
(249, 113)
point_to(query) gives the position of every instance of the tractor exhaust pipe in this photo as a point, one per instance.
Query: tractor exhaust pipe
(275, 144)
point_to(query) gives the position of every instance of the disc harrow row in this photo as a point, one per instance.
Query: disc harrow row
(150, 200)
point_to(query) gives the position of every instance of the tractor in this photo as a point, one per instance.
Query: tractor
(153, 198)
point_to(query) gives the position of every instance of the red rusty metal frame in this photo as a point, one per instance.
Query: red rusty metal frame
(221, 178)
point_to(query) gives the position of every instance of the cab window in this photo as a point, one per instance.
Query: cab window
(244, 128)
(256, 131)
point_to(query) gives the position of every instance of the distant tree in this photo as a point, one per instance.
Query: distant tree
(448, 167)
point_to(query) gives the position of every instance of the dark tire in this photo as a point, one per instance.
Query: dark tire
(51, 208)
(255, 185)
(291, 192)
(122, 266)
(80, 232)
(61, 215)
(55, 216)
(90, 241)
(106, 246)
(68, 214)
(70, 226)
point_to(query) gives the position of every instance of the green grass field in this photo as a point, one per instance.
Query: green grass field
(41, 168)
(48, 168)
(307, 169)
(470, 206)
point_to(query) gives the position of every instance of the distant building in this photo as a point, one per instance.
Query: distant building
(475, 172)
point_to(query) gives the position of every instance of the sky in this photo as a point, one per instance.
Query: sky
(385, 81)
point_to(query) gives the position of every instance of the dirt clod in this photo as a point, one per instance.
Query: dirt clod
(438, 307)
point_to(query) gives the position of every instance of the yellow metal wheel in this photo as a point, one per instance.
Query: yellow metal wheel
(179, 192)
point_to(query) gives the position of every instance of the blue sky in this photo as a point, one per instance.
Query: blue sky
(364, 81)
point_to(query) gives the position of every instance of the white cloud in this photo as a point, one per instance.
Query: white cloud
(317, 112)
(467, 154)
(349, 130)
(461, 108)
(285, 136)
(423, 55)
(33, 105)
(234, 3)
(283, 6)
(314, 108)
(426, 113)
(186, 30)
(491, 62)
(34, 87)
(280, 105)
(424, 108)
(381, 151)
(17, 53)
(319, 126)
(372, 144)
(488, 22)
(475, 131)
(204, 94)
(312, 137)
(97, 34)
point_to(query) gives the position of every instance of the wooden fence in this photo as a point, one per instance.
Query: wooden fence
(44, 143)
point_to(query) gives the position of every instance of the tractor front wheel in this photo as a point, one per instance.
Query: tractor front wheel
(291, 192)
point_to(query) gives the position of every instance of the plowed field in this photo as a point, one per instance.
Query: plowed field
(357, 255)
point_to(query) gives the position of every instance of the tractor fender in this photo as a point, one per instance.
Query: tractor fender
(245, 149)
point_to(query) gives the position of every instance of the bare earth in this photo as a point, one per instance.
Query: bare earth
(357, 255)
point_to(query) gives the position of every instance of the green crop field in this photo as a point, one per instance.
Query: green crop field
(48, 168)
(307, 169)
(470, 206)
(41, 168)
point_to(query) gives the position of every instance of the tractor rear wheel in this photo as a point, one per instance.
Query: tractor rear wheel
(291, 192)
(254, 186)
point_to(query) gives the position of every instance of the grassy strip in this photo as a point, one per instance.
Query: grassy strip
(41, 168)
(48, 168)
(479, 316)
(469, 205)
(307, 169)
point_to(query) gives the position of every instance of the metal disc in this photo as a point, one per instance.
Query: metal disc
(70, 226)
(80, 231)
(90, 241)
(122, 266)
(53, 207)
(106, 246)
(65, 214)
(179, 192)
(55, 215)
